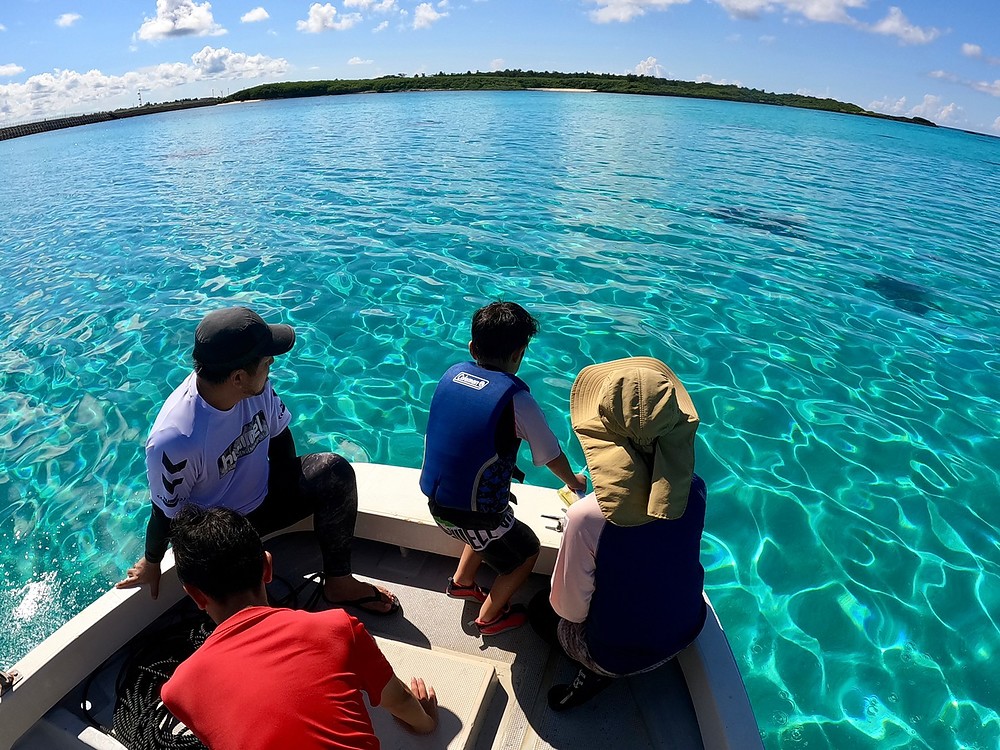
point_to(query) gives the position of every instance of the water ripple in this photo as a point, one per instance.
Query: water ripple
(848, 440)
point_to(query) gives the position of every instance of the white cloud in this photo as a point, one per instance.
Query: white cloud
(767, 39)
(180, 18)
(746, 8)
(255, 15)
(224, 63)
(649, 67)
(996, 125)
(498, 63)
(424, 16)
(993, 89)
(984, 87)
(975, 51)
(889, 106)
(931, 108)
(706, 78)
(625, 10)
(10, 69)
(895, 24)
(381, 27)
(52, 94)
(359, 61)
(824, 11)
(944, 75)
(950, 113)
(324, 18)
(379, 6)
(67, 19)
(2, 27)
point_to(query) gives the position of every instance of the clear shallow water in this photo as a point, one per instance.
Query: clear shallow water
(849, 441)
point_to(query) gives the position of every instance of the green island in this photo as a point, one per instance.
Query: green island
(503, 80)
(522, 80)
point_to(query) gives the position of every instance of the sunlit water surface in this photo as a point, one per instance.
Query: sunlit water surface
(826, 286)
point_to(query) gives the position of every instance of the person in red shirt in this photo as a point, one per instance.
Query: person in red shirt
(270, 678)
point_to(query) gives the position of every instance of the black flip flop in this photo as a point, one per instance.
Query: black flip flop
(376, 596)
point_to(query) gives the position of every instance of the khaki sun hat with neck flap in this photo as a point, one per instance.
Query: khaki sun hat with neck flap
(637, 424)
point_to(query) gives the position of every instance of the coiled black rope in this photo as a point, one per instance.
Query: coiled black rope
(141, 721)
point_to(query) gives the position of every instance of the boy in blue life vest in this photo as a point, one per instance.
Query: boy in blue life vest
(479, 414)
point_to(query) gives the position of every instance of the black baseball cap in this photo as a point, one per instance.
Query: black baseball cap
(235, 336)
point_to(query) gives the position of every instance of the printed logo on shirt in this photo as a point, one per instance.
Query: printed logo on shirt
(170, 485)
(253, 434)
(470, 381)
(478, 539)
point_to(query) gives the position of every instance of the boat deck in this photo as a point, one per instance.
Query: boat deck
(649, 711)
(491, 689)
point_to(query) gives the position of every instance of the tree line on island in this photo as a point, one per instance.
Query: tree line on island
(518, 80)
(503, 80)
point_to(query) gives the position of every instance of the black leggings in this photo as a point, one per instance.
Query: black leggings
(321, 485)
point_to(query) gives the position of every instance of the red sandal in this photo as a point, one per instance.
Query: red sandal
(511, 617)
(473, 593)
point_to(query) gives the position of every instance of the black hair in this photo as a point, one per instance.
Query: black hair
(217, 550)
(216, 375)
(499, 329)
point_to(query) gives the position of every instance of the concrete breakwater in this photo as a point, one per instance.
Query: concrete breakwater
(43, 126)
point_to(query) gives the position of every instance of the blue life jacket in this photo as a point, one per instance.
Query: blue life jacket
(468, 462)
(647, 603)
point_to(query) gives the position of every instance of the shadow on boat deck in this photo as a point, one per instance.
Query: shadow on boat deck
(648, 711)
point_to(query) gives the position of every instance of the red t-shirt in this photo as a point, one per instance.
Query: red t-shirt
(281, 679)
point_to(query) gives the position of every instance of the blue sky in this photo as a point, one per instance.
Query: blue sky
(931, 58)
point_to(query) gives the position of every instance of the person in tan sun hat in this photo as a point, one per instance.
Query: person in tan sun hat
(626, 591)
(636, 424)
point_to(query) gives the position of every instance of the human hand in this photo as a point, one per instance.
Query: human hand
(428, 701)
(580, 485)
(143, 572)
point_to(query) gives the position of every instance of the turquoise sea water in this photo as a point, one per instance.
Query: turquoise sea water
(826, 286)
